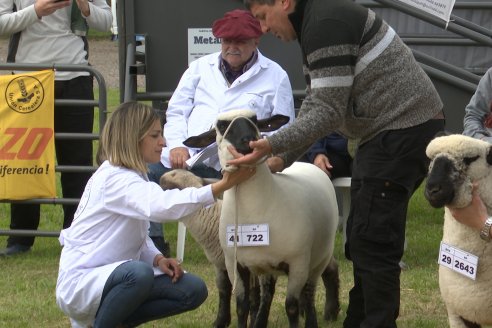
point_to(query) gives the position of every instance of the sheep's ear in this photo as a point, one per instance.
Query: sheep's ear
(273, 123)
(202, 140)
(489, 156)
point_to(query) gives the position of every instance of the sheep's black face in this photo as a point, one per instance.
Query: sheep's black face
(239, 133)
(441, 182)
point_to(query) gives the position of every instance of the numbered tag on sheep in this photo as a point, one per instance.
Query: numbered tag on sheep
(248, 235)
(458, 260)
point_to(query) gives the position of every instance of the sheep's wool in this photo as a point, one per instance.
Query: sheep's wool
(456, 145)
(232, 114)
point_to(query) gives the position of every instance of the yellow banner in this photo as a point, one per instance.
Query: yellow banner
(27, 149)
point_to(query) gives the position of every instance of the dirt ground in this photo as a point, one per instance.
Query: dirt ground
(103, 56)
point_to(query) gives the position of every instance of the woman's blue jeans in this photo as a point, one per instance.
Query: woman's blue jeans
(132, 296)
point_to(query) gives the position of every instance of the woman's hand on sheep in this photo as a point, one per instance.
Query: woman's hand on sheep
(171, 267)
(261, 148)
(230, 179)
(473, 215)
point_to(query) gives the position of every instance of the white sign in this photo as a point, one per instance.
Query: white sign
(458, 260)
(201, 42)
(439, 8)
(248, 235)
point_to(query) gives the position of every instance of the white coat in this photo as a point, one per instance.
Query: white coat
(111, 227)
(203, 93)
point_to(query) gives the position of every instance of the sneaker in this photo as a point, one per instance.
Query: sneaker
(14, 250)
(162, 245)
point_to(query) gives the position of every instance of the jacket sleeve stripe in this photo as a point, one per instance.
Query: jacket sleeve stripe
(375, 52)
(372, 32)
(346, 60)
(332, 82)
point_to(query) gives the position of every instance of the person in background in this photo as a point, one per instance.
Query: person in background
(331, 154)
(478, 117)
(477, 124)
(238, 76)
(110, 272)
(364, 83)
(53, 32)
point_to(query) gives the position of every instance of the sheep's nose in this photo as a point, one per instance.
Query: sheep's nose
(243, 146)
(438, 195)
(432, 190)
(247, 139)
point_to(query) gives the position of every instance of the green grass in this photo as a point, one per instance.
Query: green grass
(97, 35)
(28, 281)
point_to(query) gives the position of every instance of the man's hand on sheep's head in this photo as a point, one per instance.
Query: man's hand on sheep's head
(473, 215)
(261, 149)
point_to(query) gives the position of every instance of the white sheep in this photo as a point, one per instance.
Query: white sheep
(203, 225)
(300, 208)
(456, 162)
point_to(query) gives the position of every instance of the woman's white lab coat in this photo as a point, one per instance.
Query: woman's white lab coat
(203, 93)
(111, 227)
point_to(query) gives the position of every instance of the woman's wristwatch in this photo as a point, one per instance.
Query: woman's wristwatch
(485, 232)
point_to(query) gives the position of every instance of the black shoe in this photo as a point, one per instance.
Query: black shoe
(14, 250)
(162, 245)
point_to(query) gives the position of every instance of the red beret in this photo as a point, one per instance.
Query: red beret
(237, 25)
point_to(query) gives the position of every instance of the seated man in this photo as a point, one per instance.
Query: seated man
(330, 154)
(238, 76)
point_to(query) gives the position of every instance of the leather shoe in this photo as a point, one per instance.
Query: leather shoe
(14, 250)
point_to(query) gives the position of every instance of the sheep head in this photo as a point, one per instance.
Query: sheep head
(236, 128)
(456, 162)
(180, 179)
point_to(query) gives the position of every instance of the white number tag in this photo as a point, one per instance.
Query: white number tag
(458, 260)
(248, 235)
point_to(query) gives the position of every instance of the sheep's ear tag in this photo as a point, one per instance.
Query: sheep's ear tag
(272, 123)
(200, 141)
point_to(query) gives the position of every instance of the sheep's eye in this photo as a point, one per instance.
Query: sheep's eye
(469, 160)
(222, 126)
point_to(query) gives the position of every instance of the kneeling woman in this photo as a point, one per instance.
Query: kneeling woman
(111, 274)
